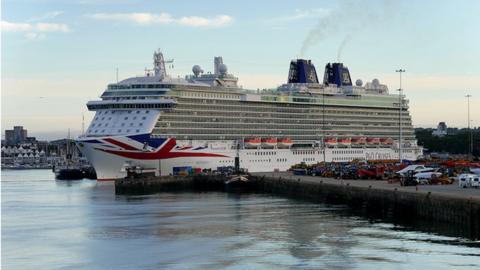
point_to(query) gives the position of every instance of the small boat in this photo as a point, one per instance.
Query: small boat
(285, 143)
(269, 142)
(238, 183)
(330, 141)
(252, 142)
(69, 173)
(359, 141)
(344, 141)
(373, 141)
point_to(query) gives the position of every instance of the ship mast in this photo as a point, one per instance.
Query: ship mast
(159, 64)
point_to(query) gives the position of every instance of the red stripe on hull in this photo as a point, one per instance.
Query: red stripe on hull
(117, 143)
(163, 153)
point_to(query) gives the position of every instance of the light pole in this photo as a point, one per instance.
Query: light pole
(470, 143)
(400, 105)
(323, 123)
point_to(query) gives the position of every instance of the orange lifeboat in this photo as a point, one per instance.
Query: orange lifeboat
(359, 141)
(330, 141)
(269, 142)
(345, 141)
(373, 141)
(252, 142)
(386, 141)
(285, 142)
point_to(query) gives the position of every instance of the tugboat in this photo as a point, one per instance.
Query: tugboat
(69, 170)
(239, 181)
(69, 173)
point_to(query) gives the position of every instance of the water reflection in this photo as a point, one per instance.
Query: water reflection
(48, 224)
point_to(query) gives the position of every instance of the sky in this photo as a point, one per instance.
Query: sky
(57, 55)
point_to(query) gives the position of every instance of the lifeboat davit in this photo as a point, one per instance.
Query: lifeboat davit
(252, 142)
(373, 141)
(330, 141)
(386, 141)
(285, 143)
(359, 141)
(269, 142)
(345, 141)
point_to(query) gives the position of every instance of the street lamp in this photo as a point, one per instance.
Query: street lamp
(400, 105)
(470, 143)
(323, 124)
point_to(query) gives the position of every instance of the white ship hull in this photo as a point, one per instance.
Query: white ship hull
(110, 155)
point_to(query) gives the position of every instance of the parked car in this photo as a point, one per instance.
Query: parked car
(424, 178)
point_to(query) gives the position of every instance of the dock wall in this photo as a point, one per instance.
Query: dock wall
(460, 214)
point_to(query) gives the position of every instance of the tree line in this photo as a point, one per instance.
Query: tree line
(456, 142)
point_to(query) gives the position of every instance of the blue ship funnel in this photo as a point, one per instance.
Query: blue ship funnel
(338, 74)
(302, 71)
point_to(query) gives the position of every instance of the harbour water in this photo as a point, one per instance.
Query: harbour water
(48, 224)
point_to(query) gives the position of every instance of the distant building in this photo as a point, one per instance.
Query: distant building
(441, 130)
(14, 136)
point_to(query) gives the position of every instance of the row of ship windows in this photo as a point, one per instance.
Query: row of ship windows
(125, 118)
(113, 112)
(303, 124)
(244, 107)
(210, 95)
(287, 116)
(311, 108)
(103, 131)
(345, 158)
(129, 106)
(122, 125)
(262, 130)
(275, 114)
(297, 136)
(347, 152)
(306, 152)
(267, 153)
(279, 160)
(301, 137)
(135, 86)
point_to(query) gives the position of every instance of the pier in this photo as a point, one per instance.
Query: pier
(441, 206)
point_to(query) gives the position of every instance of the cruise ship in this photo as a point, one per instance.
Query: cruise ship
(206, 120)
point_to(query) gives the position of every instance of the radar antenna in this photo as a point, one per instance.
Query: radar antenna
(159, 64)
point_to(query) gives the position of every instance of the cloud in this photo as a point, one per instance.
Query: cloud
(300, 14)
(163, 18)
(34, 31)
(15, 27)
(47, 16)
(33, 35)
(37, 27)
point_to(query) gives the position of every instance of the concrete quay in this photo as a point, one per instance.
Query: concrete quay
(454, 209)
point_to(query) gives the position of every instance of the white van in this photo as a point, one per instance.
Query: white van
(468, 180)
(476, 181)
